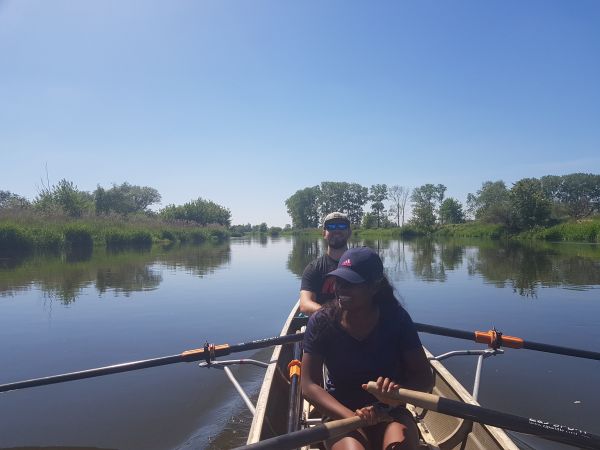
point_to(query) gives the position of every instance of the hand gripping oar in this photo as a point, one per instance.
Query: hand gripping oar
(541, 428)
(208, 352)
(318, 433)
(496, 339)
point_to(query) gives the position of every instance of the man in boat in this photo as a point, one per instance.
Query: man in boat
(316, 288)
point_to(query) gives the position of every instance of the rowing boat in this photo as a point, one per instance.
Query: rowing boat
(438, 431)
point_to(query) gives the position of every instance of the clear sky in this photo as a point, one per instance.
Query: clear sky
(245, 102)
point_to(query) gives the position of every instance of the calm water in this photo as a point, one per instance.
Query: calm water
(77, 312)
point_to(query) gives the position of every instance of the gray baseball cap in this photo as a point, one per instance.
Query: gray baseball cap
(336, 216)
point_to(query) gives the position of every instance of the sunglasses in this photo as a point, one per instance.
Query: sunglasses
(336, 226)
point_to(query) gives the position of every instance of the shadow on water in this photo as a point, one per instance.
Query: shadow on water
(122, 272)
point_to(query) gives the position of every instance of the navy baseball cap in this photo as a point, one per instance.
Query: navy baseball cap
(359, 265)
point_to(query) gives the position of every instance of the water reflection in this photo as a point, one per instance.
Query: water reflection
(304, 250)
(525, 267)
(124, 272)
(528, 266)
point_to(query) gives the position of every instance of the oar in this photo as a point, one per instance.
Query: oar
(208, 352)
(308, 436)
(496, 339)
(541, 428)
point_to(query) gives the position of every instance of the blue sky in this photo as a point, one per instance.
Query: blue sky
(245, 102)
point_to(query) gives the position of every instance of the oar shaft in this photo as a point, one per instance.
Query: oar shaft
(442, 331)
(90, 373)
(187, 356)
(508, 341)
(544, 429)
(588, 354)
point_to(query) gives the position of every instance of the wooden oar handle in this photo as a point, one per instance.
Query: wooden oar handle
(542, 428)
(421, 399)
(308, 436)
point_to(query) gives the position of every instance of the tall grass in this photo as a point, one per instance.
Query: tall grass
(475, 230)
(27, 231)
(583, 231)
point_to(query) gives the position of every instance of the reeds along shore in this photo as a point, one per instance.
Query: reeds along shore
(580, 231)
(26, 233)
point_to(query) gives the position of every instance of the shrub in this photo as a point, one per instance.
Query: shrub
(122, 239)
(78, 236)
(13, 238)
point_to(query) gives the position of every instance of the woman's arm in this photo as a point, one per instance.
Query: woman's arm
(312, 375)
(417, 370)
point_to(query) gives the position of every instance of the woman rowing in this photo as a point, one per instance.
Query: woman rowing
(363, 335)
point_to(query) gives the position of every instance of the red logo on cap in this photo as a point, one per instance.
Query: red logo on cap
(347, 263)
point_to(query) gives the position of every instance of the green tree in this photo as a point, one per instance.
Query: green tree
(200, 211)
(580, 193)
(8, 200)
(303, 207)
(369, 221)
(451, 211)
(425, 201)
(125, 199)
(64, 197)
(530, 205)
(378, 193)
(348, 198)
(491, 203)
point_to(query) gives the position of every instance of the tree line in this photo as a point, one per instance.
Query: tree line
(528, 203)
(124, 199)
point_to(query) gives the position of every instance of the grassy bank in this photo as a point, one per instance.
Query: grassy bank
(582, 231)
(472, 230)
(26, 233)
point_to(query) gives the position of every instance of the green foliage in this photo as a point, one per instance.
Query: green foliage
(582, 231)
(491, 203)
(121, 238)
(426, 200)
(369, 221)
(530, 206)
(125, 199)
(78, 236)
(47, 239)
(303, 207)
(275, 231)
(451, 212)
(64, 197)
(8, 200)
(579, 193)
(200, 211)
(14, 239)
(407, 232)
(349, 198)
(478, 230)
(377, 194)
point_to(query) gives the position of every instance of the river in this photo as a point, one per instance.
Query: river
(66, 313)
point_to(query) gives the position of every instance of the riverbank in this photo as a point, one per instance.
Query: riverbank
(582, 231)
(55, 233)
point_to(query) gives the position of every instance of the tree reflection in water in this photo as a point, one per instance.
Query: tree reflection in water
(123, 272)
(523, 266)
